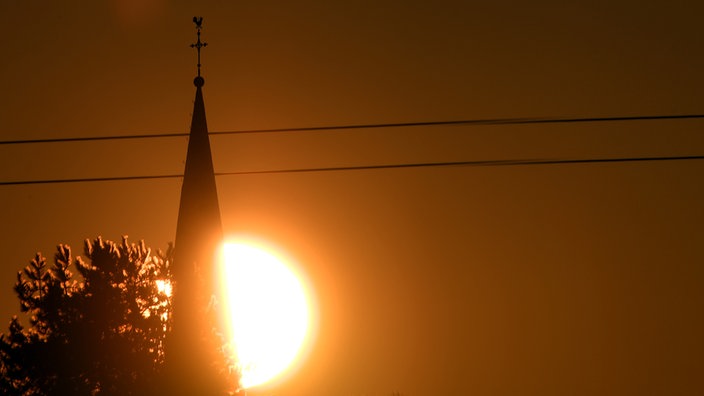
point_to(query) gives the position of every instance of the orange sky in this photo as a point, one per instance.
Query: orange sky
(539, 280)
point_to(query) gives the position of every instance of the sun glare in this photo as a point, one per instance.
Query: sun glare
(269, 310)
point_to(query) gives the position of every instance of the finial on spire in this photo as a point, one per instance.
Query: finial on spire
(199, 81)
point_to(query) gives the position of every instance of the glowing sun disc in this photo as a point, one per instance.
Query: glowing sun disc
(269, 312)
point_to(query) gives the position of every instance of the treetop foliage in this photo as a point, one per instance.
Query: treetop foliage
(100, 330)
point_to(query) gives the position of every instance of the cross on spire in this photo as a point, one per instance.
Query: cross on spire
(198, 45)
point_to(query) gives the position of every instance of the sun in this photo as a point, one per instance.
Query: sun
(269, 309)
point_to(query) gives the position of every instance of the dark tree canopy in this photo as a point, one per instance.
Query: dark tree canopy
(102, 333)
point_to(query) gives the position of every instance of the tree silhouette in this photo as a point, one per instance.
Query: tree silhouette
(103, 333)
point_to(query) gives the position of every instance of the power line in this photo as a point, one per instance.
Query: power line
(475, 122)
(88, 180)
(91, 138)
(486, 163)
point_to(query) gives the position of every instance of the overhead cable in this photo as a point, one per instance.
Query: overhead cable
(475, 122)
(480, 163)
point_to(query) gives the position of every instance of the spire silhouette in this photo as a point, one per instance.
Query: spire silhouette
(193, 358)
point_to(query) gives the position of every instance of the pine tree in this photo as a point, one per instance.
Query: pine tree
(103, 333)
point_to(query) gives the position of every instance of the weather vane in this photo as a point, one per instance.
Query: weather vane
(198, 45)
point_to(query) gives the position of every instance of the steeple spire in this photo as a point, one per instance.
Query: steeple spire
(193, 350)
(199, 225)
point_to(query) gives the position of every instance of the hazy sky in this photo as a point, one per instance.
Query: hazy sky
(575, 279)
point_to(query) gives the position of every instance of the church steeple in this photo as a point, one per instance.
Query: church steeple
(194, 361)
(199, 226)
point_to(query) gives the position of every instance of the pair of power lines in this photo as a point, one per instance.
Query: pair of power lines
(475, 122)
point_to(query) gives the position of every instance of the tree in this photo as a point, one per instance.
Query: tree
(101, 334)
